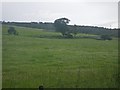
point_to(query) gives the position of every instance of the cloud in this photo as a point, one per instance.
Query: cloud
(85, 13)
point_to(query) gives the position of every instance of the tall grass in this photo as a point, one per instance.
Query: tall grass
(30, 61)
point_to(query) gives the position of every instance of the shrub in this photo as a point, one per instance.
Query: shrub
(68, 36)
(106, 37)
(12, 30)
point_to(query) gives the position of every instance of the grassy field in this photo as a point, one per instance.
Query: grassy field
(30, 60)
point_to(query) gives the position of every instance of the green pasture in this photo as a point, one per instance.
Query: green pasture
(32, 58)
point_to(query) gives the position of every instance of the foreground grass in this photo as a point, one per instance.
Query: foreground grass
(29, 61)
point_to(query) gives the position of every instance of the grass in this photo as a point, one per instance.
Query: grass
(30, 61)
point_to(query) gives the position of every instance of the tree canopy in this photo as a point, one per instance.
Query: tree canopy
(61, 25)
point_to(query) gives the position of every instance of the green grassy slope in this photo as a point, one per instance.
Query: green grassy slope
(30, 61)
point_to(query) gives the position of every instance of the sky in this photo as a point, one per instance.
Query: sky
(103, 14)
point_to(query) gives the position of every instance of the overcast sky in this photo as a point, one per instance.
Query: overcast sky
(81, 13)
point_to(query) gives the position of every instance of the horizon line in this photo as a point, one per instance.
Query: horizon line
(53, 22)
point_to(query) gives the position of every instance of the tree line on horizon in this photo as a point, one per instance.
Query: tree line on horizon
(67, 29)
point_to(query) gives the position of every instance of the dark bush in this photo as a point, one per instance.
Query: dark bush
(68, 36)
(12, 30)
(106, 37)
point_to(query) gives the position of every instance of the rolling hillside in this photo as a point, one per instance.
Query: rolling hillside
(30, 60)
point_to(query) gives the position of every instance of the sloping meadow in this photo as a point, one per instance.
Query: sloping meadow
(30, 61)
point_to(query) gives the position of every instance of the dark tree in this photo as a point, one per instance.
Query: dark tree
(12, 30)
(61, 26)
